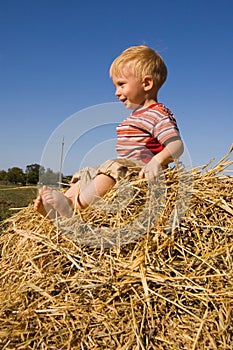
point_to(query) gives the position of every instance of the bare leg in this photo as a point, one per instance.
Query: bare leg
(50, 201)
(97, 188)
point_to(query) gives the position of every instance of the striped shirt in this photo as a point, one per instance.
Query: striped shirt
(146, 132)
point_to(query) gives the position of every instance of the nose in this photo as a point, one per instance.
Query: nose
(117, 92)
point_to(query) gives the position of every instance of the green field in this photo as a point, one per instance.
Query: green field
(13, 198)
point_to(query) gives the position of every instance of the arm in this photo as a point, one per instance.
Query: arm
(173, 150)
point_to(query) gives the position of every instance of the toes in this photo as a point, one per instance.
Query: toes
(37, 202)
(44, 189)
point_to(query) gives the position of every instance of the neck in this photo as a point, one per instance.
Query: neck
(150, 102)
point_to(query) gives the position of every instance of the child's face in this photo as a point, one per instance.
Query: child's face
(129, 89)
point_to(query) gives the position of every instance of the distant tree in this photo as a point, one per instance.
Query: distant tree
(3, 175)
(32, 173)
(49, 177)
(16, 175)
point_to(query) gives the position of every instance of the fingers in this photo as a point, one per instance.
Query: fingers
(141, 174)
(149, 174)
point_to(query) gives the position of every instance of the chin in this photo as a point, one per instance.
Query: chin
(132, 106)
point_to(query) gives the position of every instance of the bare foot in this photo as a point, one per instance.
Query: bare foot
(38, 204)
(52, 202)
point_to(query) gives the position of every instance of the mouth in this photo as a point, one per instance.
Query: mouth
(123, 100)
(127, 103)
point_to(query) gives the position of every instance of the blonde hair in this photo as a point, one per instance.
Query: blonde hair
(144, 61)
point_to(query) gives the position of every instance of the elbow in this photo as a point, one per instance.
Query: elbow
(181, 149)
(176, 149)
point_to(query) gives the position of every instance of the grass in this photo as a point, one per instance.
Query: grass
(12, 197)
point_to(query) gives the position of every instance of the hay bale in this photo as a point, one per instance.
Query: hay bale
(168, 288)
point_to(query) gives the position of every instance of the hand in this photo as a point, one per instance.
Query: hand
(151, 170)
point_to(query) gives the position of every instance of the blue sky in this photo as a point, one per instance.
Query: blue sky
(54, 62)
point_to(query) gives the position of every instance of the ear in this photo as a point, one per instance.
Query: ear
(148, 82)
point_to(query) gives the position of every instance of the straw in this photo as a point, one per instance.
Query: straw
(167, 284)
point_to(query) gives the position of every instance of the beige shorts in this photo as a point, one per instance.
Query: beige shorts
(117, 169)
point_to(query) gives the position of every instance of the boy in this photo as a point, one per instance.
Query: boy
(147, 140)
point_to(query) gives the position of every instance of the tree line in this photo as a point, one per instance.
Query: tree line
(33, 174)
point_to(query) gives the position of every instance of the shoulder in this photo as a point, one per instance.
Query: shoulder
(164, 112)
(156, 112)
(161, 109)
